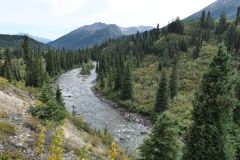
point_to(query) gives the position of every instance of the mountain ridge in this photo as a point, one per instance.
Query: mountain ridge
(94, 34)
(37, 38)
(217, 8)
(16, 41)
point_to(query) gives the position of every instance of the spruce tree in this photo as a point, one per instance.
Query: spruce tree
(222, 24)
(237, 21)
(173, 85)
(26, 50)
(210, 137)
(196, 51)
(162, 99)
(7, 67)
(203, 19)
(163, 142)
(230, 38)
(58, 96)
(126, 87)
(117, 78)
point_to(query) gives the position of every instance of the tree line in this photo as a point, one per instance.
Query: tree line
(33, 66)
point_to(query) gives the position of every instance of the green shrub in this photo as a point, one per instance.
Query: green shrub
(3, 83)
(49, 111)
(7, 155)
(86, 68)
(7, 129)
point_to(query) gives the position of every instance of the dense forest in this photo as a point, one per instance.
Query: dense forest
(184, 77)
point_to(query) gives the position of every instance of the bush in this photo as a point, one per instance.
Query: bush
(3, 83)
(49, 111)
(7, 129)
(7, 155)
(86, 68)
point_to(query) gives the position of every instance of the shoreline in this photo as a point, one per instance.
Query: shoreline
(127, 114)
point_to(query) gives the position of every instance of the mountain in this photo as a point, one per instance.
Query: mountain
(90, 35)
(39, 39)
(134, 30)
(16, 41)
(216, 8)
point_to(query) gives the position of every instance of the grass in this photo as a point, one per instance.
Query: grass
(78, 122)
(96, 135)
(93, 138)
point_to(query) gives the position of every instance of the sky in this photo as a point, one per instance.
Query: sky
(54, 18)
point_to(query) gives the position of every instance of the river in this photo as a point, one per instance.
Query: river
(77, 91)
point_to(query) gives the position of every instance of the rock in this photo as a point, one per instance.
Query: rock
(69, 156)
(144, 132)
(122, 139)
(1, 147)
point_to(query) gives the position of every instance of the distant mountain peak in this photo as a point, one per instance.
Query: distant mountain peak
(96, 33)
(36, 38)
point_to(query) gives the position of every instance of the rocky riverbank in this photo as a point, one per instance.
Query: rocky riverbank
(130, 116)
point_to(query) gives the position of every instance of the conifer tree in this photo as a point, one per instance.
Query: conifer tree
(163, 142)
(173, 85)
(237, 21)
(222, 24)
(196, 51)
(231, 38)
(162, 99)
(117, 79)
(203, 19)
(126, 87)
(26, 50)
(58, 96)
(210, 136)
(209, 21)
(7, 67)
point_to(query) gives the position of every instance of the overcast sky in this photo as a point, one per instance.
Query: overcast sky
(54, 18)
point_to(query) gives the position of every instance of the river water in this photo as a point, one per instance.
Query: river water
(77, 91)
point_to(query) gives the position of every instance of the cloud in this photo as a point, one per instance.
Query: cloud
(52, 18)
(61, 8)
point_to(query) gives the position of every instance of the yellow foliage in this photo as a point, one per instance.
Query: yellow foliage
(41, 142)
(3, 114)
(56, 147)
(84, 153)
(20, 85)
(114, 152)
(3, 82)
(38, 103)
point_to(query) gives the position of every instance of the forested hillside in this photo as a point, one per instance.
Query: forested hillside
(16, 41)
(184, 77)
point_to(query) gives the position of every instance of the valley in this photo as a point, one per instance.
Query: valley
(105, 92)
